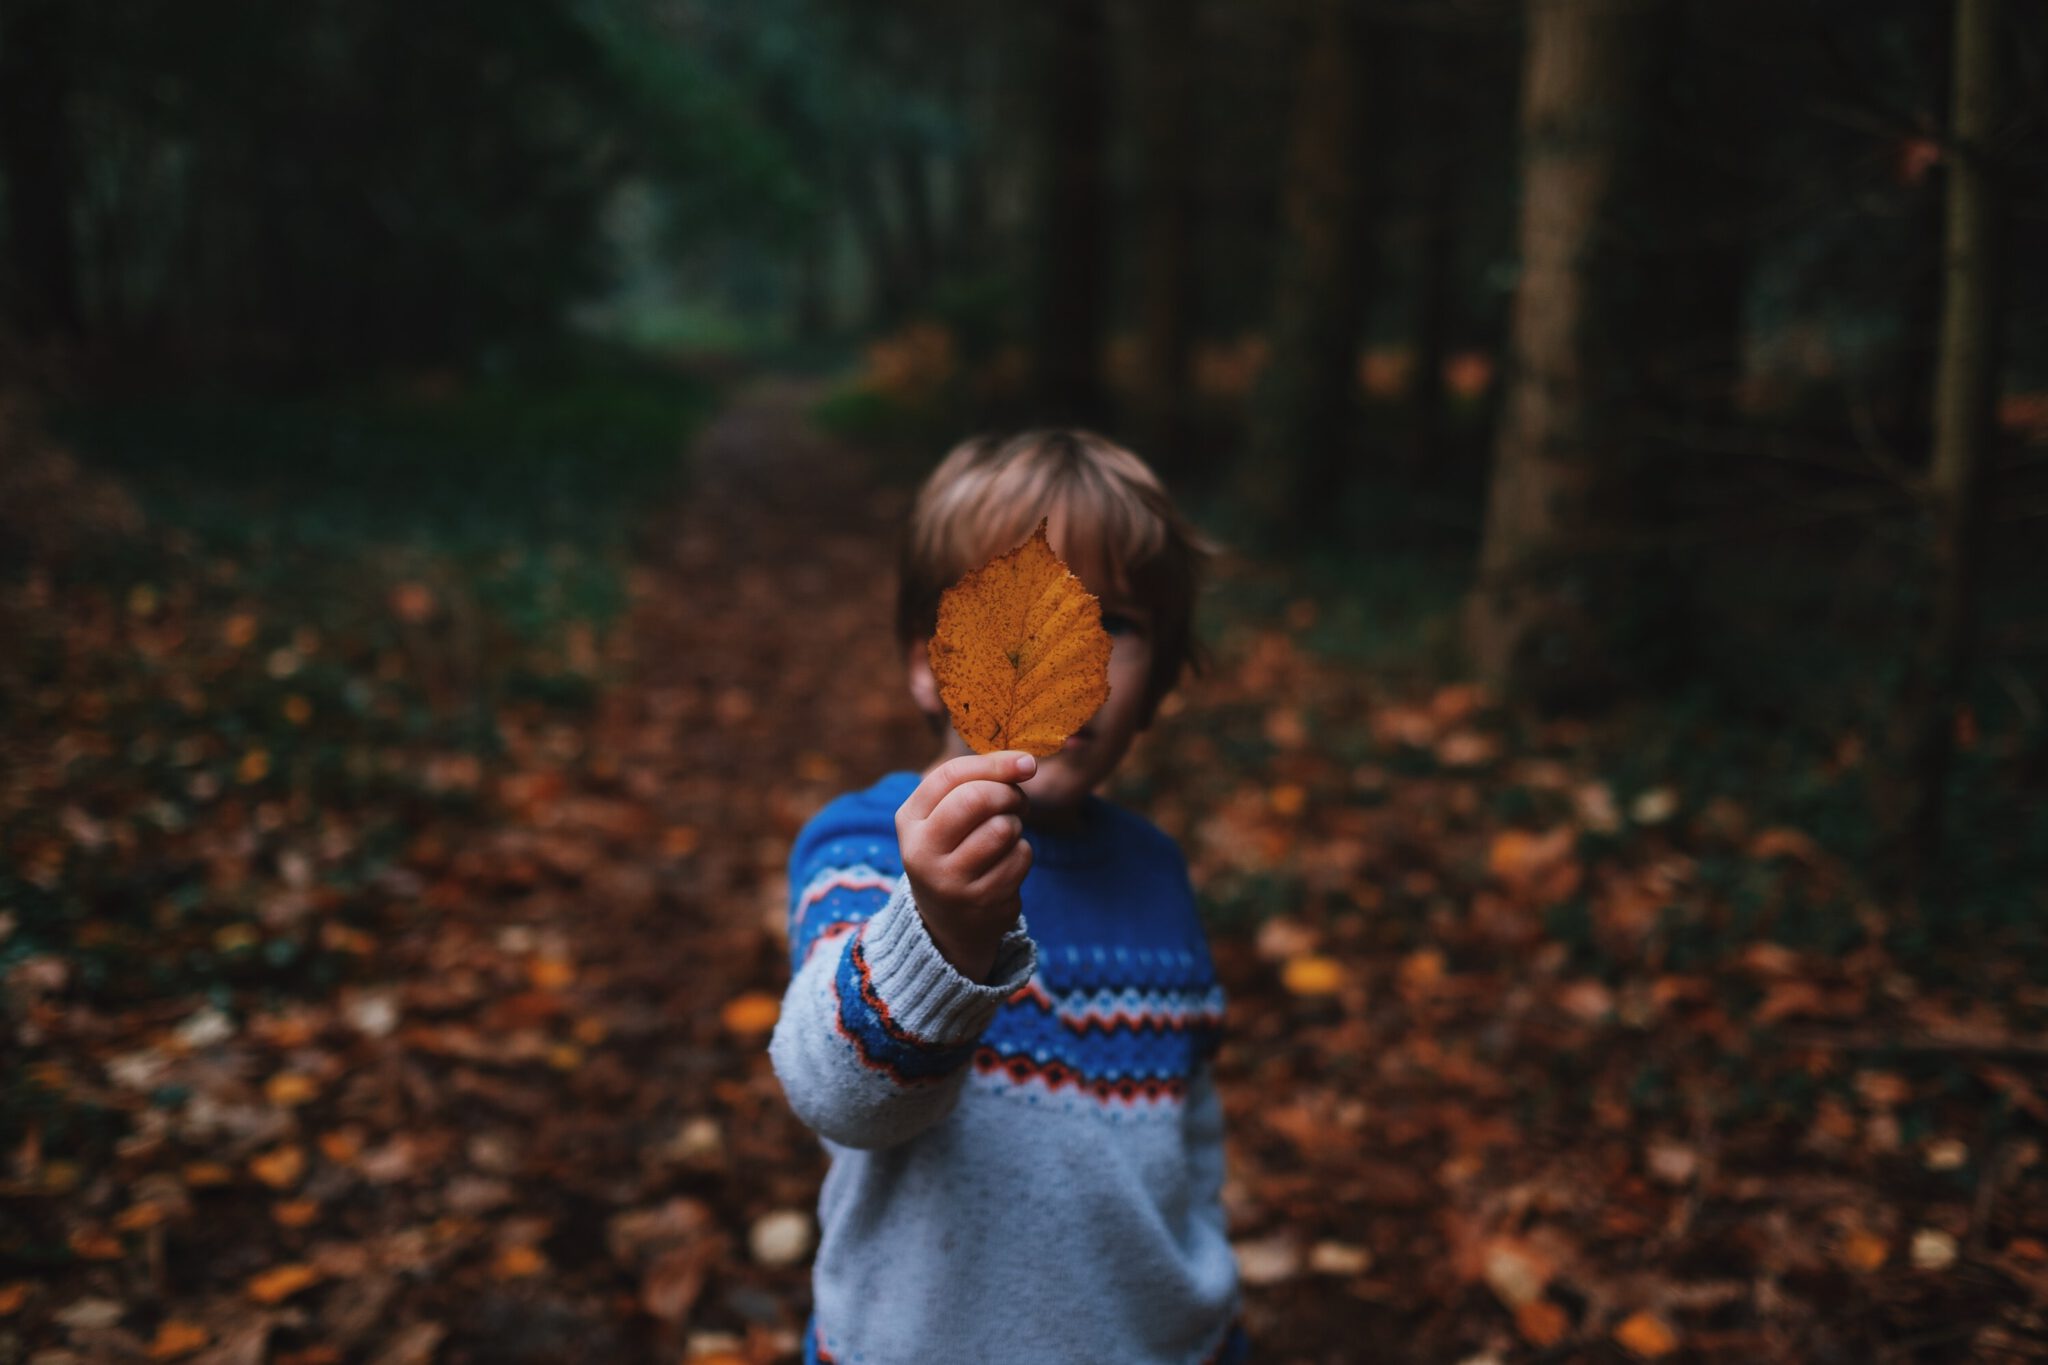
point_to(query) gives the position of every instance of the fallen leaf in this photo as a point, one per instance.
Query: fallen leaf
(752, 1013)
(1515, 1272)
(780, 1238)
(290, 1088)
(1541, 1322)
(1422, 971)
(94, 1244)
(1281, 938)
(176, 1337)
(1536, 867)
(550, 973)
(281, 1282)
(674, 1280)
(1313, 975)
(1020, 655)
(279, 1168)
(1933, 1249)
(1268, 1261)
(341, 1146)
(1946, 1154)
(1646, 1335)
(295, 1213)
(12, 1296)
(1863, 1250)
(1339, 1258)
(139, 1217)
(1654, 807)
(88, 1314)
(518, 1262)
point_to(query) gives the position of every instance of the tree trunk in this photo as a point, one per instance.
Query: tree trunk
(35, 159)
(1965, 392)
(1167, 279)
(887, 299)
(1304, 432)
(1560, 491)
(920, 227)
(1074, 278)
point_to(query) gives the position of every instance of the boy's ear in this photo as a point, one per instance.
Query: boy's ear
(924, 688)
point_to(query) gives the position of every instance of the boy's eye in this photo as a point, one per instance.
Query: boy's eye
(1116, 623)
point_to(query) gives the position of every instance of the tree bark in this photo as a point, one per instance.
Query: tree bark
(920, 225)
(1560, 490)
(887, 291)
(1304, 432)
(1965, 394)
(35, 158)
(1073, 98)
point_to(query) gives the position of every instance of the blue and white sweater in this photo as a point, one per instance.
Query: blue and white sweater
(1026, 1171)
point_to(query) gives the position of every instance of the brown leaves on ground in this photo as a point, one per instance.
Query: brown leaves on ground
(1020, 655)
(1516, 1067)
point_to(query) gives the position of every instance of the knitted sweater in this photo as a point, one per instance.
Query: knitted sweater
(1025, 1171)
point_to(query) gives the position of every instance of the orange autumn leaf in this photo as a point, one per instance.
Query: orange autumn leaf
(295, 1213)
(280, 1168)
(341, 1146)
(518, 1262)
(12, 1296)
(139, 1217)
(754, 1012)
(1863, 1250)
(550, 973)
(176, 1337)
(1647, 1335)
(290, 1088)
(1020, 655)
(281, 1282)
(95, 1245)
(1311, 974)
(1541, 1322)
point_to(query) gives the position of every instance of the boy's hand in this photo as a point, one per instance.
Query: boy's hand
(961, 833)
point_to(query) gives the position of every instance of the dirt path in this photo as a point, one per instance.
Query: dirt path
(759, 680)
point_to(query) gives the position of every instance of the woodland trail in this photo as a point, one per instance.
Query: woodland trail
(1506, 1077)
(758, 679)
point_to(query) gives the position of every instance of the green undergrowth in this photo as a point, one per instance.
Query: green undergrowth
(242, 712)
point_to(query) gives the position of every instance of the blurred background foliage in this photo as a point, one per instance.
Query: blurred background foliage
(1277, 247)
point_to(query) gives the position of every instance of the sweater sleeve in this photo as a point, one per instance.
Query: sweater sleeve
(877, 1027)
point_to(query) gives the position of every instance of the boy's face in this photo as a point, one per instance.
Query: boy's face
(1092, 752)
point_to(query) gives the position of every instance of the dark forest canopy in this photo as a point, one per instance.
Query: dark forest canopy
(320, 189)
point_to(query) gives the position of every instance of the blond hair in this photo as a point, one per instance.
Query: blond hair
(1107, 511)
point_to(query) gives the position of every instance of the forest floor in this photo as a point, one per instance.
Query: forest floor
(338, 1037)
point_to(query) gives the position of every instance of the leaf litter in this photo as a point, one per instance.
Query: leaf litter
(1488, 1092)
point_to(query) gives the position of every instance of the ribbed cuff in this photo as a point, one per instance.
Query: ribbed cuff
(924, 994)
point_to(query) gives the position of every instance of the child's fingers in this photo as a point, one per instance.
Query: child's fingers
(1006, 765)
(1001, 881)
(984, 844)
(966, 808)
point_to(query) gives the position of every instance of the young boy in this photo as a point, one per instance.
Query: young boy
(1003, 1009)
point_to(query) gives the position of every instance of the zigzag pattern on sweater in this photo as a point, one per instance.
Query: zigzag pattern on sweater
(1108, 1010)
(835, 897)
(878, 1040)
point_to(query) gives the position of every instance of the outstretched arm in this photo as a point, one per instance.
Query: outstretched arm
(884, 1013)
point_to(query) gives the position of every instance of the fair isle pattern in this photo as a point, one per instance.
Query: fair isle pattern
(835, 897)
(878, 1040)
(1108, 1010)
(1117, 1051)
